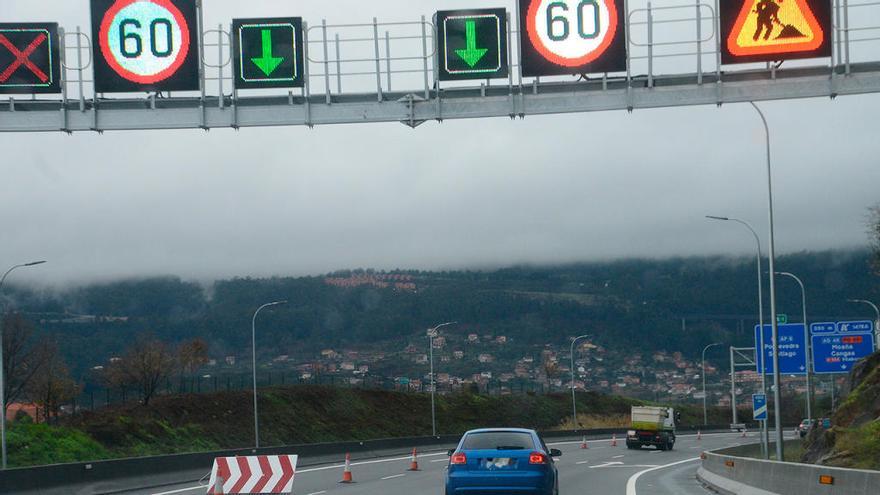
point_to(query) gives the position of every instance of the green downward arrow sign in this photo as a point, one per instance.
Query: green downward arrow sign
(267, 63)
(471, 55)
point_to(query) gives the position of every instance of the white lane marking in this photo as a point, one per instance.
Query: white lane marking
(627, 466)
(322, 468)
(631, 482)
(607, 464)
(617, 457)
(407, 458)
(202, 487)
(578, 442)
(655, 451)
(582, 462)
(318, 493)
(393, 476)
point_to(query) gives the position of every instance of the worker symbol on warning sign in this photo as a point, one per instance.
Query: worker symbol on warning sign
(771, 30)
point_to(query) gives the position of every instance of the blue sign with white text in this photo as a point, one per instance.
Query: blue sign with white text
(759, 407)
(816, 328)
(838, 353)
(855, 326)
(792, 349)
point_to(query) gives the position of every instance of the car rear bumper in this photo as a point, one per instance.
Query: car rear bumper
(528, 483)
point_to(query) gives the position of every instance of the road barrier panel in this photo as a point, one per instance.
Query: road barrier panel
(253, 475)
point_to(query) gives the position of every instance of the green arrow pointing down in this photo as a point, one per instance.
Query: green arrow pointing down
(267, 63)
(471, 55)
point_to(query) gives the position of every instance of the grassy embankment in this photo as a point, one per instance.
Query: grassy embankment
(299, 414)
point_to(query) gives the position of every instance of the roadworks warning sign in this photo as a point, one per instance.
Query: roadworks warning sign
(775, 29)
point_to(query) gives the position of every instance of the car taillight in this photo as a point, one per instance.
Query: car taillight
(537, 458)
(458, 459)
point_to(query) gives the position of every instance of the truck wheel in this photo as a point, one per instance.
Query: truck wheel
(662, 446)
(670, 444)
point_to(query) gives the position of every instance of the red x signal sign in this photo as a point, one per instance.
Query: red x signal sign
(29, 58)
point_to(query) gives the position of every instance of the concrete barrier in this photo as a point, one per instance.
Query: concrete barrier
(731, 474)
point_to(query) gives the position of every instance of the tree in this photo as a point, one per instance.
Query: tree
(52, 385)
(22, 359)
(192, 355)
(147, 363)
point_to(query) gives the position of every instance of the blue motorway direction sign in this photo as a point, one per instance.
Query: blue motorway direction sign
(855, 326)
(792, 349)
(817, 328)
(29, 58)
(472, 44)
(759, 407)
(837, 353)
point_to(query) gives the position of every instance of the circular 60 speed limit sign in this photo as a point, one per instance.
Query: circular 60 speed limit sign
(144, 41)
(571, 33)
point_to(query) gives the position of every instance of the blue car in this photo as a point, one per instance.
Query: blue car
(496, 461)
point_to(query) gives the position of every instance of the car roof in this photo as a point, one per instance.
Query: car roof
(493, 430)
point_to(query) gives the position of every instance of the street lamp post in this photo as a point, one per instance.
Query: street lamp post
(806, 341)
(573, 402)
(431, 334)
(703, 368)
(876, 321)
(254, 367)
(777, 408)
(2, 378)
(764, 432)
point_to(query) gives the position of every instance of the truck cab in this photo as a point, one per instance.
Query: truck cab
(652, 426)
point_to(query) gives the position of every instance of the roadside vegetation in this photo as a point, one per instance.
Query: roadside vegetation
(301, 414)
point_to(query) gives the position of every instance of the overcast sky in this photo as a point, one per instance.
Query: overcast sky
(477, 193)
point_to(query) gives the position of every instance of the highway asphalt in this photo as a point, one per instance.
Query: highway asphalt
(602, 469)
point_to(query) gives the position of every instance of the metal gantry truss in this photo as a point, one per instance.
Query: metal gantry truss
(353, 73)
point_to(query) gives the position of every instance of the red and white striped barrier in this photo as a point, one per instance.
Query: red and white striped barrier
(252, 475)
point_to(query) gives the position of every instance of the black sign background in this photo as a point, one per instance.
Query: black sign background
(23, 80)
(534, 64)
(730, 10)
(107, 80)
(487, 37)
(252, 43)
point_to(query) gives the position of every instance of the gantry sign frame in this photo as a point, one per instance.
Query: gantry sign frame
(319, 103)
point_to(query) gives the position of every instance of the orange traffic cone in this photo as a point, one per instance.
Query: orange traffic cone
(744, 433)
(699, 435)
(346, 471)
(584, 443)
(614, 440)
(414, 464)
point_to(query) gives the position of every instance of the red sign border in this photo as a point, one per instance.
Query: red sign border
(531, 22)
(128, 75)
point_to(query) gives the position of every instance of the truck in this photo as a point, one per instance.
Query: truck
(653, 426)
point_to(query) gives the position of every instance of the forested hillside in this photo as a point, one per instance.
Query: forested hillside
(620, 303)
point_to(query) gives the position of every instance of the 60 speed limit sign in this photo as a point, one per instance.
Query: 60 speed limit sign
(572, 36)
(145, 45)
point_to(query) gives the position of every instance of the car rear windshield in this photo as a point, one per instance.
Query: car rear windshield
(498, 440)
